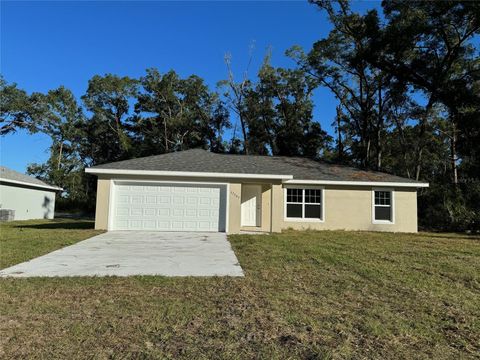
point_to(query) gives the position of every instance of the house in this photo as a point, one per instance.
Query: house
(29, 197)
(197, 190)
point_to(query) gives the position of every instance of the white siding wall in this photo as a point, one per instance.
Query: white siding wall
(28, 203)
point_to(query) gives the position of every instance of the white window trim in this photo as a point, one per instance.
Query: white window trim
(314, 187)
(392, 206)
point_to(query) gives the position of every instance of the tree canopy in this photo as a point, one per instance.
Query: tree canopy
(406, 79)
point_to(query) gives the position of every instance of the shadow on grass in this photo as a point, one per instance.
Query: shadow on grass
(67, 225)
(460, 236)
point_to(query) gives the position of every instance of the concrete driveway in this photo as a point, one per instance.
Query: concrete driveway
(126, 253)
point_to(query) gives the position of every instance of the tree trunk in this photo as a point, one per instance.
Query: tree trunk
(379, 158)
(165, 134)
(421, 139)
(244, 133)
(339, 135)
(403, 146)
(340, 142)
(60, 151)
(367, 154)
(453, 154)
(378, 162)
(418, 166)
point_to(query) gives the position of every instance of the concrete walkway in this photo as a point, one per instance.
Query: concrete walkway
(126, 253)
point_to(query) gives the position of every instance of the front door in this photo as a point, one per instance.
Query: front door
(251, 205)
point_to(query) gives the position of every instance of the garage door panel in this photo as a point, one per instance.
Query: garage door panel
(164, 212)
(123, 199)
(192, 201)
(204, 213)
(136, 199)
(135, 224)
(149, 224)
(136, 212)
(191, 212)
(178, 212)
(149, 212)
(204, 225)
(163, 199)
(121, 211)
(178, 225)
(172, 207)
(163, 225)
(178, 200)
(150, 199)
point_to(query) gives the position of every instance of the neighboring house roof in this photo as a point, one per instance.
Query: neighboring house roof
(198, 162)
(14, 177)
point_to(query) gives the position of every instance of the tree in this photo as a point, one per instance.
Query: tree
(63, 122)
(364, 92)
(280, 114)
(234, 93)
(18, 110)
(434, 55)
(108, 99)
(176, 114)
(408, 85)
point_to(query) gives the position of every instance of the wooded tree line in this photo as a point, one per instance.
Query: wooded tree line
(407, 83)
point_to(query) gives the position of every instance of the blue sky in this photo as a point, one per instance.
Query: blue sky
(48, 44)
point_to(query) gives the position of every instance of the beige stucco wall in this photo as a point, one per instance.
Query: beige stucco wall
(348, 208)
(101, 208)
(234, 199)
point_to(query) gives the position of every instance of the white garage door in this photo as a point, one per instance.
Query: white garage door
(169, 207)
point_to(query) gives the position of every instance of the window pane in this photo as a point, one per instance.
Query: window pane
(294, 195)
(387, 197)
(382, 197)
(313, 211)
(313, 196)
(383, 213)
(294, 211)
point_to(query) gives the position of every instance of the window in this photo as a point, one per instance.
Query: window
(304, 204)
(383, 206)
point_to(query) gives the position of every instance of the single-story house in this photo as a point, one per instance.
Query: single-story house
(29, 197)
(197, 190)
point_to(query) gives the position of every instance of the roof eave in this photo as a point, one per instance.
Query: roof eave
(97, 171)
(358, 183)
(23, 183)
(286, 179)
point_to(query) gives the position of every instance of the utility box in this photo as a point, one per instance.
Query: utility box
(7, 215)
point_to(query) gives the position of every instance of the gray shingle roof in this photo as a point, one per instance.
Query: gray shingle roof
(12, 175)
(198, 160)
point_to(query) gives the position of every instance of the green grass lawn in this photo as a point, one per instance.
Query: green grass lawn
(24, 240)
(305, 295)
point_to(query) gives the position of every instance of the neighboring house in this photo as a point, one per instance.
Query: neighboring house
(29, 197)
(197, 190)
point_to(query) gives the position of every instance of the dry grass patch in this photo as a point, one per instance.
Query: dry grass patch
(305, 295)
